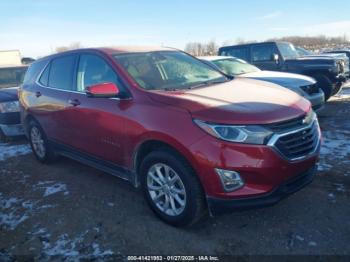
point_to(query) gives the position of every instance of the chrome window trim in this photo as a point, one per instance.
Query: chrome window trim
(63, 90)
(272, 142)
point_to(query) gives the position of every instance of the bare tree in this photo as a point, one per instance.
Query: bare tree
(202, 49)
(316, 42)
(74, 45)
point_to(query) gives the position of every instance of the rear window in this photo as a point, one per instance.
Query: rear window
(61, 72)
(10, 77)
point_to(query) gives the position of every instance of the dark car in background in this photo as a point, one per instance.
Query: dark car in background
(329, 72)
(300, 84)
(10, 78)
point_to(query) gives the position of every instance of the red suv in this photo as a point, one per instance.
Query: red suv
(192, 138)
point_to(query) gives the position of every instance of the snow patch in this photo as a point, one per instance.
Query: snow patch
(8, 151)
(51, 188)
(344, 94)
(335, 146)
(69, 248)
(10, 211)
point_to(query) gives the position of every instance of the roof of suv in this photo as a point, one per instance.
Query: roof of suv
(259, 43)
(113, 50)
(133, 49)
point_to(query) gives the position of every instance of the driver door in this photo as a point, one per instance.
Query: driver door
(263, 57)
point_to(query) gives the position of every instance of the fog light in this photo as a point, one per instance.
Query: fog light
(230, 180)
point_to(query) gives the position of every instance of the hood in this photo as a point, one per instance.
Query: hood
(283, 79)
(239, 101)
(341, 56)
(8, 94)
(314, 59)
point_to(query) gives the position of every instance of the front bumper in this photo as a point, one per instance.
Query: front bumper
(10, 124)
(12, 130)
(317, 100)
(219, 206)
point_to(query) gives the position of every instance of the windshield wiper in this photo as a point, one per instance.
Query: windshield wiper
(207, 83)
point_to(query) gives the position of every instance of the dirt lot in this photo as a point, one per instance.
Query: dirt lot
(73, 210)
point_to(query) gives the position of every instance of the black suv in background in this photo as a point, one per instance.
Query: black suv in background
(329, 72)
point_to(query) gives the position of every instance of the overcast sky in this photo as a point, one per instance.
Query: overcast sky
(36, 27)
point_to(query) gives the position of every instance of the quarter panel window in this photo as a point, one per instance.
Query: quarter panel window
(44, 78)
(94, 70)
(262, 53)
(33, 72)
(61, 72)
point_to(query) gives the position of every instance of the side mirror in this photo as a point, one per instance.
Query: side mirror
(276, 58)
(102, 90)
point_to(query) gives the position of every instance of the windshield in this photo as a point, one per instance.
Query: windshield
(10, 77)
(288, 51)
(164, 70)
(303, 51)
(234, 67)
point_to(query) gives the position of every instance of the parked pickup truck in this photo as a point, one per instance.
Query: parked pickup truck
(329, 72)
(334, 54)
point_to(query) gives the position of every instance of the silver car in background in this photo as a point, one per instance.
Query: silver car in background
(303, 85)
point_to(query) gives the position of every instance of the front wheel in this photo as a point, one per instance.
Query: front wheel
(172, 189)
(325, 84)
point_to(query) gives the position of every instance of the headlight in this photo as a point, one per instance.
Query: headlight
(240, 134)
(8, 107)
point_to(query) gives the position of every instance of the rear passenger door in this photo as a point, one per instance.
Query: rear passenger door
(262, 56)
(52, 93)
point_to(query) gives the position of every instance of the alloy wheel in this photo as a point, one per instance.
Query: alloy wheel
(166, 189)
(37, 142)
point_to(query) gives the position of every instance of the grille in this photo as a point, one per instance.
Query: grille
(341, 65)
(284, 126)
(310, 89)
(299, 144)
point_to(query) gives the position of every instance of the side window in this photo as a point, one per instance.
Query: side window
(94, 70)
(33, 71)
(242, 53)
(61, 72)
(44, 78)
(262, 53)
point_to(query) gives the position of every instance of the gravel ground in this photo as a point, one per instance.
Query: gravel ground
(73, 210)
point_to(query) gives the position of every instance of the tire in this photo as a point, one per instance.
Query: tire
(192, 195)
(325, 84)
(337, 89)
(41, 148)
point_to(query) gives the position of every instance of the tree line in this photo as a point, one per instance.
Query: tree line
(314, 43)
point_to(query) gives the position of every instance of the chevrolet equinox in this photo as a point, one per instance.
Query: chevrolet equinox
(195, 140)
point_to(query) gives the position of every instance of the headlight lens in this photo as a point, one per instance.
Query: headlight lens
(8, 107)
(239, 134)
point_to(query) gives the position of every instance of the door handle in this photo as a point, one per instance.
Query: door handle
(74, 102)
(37, 94)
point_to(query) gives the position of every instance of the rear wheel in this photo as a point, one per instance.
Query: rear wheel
(325, 84)
(172, 189)
(41, 148)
